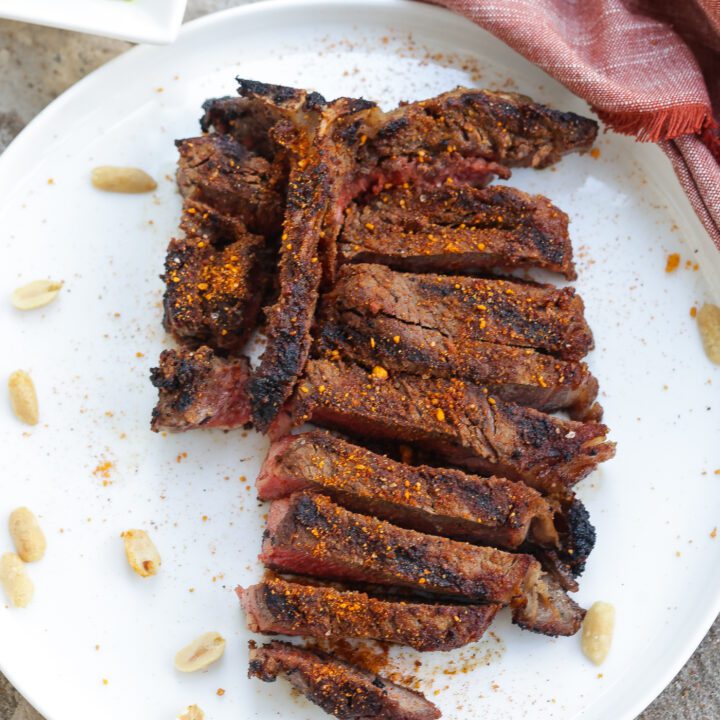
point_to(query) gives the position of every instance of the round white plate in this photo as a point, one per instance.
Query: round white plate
(98, 641)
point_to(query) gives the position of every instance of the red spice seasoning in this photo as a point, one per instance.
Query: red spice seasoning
(673, 262)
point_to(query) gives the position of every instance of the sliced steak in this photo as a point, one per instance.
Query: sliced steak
(516, 374)
(340, 689)
(467, 310)
(456, 419)
(487, 511)
(213, 280)
(321, 140)
(308, 534)
(222, 173)
(277, 606)
(465, 137)
(200, 389)
(453, 134)
(457, 229)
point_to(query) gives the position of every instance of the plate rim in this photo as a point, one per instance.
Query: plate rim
(692, 640)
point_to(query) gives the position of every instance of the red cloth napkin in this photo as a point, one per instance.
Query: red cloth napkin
(649, 68)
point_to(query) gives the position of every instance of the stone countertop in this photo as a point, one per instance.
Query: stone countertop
(36, 65)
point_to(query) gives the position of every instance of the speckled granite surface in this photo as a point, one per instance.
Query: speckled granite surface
(36, 65)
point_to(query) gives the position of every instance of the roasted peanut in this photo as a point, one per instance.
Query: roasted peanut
(122, 180)
(708, 320)
(23, 397)
(200, 653)
(27, 535)
(597, 631)
(141, 552)
(35, 294)
(15, 582)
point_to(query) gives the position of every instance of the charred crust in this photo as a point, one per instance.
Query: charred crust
(209, 106)
(393, 128)
(536, 430)
(266, 394)
(315, 101)
(551, 251)
(348, 135)
(279, 94)
(355, 105)
(579, 537)
(279, 604)
(310, 515)
(257, 668)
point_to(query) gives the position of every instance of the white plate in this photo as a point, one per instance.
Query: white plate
(146, 21)
(655, 505)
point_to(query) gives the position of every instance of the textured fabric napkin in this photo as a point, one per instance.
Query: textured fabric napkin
(649, 68)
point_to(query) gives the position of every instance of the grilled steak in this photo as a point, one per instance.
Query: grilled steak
(340, 689)
(465, 137)
(213, 280)
(308, 534)
(321, 139)
(220, 172)
(291, 608)
(519, 375)
(464, 134)
(465, 309)
(457, 229)
(488, 511)
(198, 388)
(456, 419)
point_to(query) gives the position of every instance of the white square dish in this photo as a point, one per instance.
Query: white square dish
(141, 21)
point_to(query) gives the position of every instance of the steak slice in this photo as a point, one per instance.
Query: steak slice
(222, 173)
(213, 280)
(199, 389)
(457, 229)
(516, 374)
(340, 689)
(462, 128)
(308, 534)
(466, 309)
(457, 420)
(320, 139)
(487, 511)
(290, 608)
